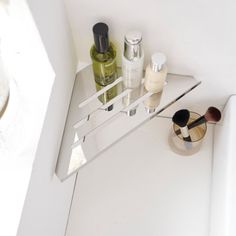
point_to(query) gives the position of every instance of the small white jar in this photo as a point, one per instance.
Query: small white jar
(156, 72)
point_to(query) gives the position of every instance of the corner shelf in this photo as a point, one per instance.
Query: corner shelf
(90, 128)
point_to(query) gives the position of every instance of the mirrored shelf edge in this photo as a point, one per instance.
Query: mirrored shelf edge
(81, 145)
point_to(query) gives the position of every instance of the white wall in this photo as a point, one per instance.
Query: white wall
(31, 77)
(223, 209)
(48, 200)
(197, 36)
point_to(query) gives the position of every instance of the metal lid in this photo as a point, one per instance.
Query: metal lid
(132, 45)
(157, 61)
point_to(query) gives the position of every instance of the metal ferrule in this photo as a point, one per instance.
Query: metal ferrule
(132, 46)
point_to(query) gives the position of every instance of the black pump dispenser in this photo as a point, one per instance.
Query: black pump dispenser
(100, 33)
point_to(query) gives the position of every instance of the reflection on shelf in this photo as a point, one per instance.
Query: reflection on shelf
(152, 102)
(100, 116)
(107, 96)
(99, 92)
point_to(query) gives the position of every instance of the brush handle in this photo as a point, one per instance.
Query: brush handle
(197, 122)
(187, 139)
(193, 124)
(185, 134)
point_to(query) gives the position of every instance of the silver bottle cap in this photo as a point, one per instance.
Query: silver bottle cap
(132, 46)
(158, 60)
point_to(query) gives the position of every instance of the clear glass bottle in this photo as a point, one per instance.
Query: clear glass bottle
(103, 55)
(132, 60)
(156, 72)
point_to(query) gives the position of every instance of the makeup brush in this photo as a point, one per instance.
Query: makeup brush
(181, 119)
(212, 115)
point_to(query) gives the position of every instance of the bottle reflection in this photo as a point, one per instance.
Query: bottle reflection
(152, 102)
(107, 96)
(130, 98)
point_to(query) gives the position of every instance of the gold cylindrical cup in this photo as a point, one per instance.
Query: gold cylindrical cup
(186, 148)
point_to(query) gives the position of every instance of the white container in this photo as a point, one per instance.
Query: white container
(132, 60)
(156, 72)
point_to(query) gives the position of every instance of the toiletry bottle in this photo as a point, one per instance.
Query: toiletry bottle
(132, 60)
(103, 55)
(156, 73)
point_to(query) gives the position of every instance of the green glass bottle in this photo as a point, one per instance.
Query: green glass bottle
(103, 55)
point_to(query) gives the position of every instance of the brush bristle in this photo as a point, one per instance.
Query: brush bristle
(181, 117)
(213, 114)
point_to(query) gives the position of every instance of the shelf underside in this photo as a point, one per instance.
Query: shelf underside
(99, 117)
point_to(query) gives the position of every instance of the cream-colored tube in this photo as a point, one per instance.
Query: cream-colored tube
(156, 73)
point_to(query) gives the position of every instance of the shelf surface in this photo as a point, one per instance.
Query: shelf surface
(100, 116)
